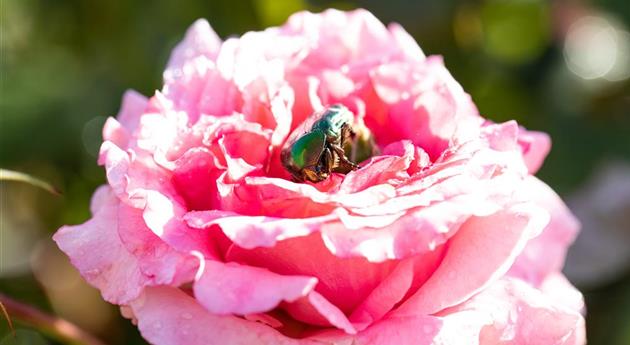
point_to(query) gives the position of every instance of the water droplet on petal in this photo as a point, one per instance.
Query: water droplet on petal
(93, 272)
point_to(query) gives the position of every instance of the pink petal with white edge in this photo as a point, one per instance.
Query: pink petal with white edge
(165, 218)
(460, 329)
(421, 330)
(113, 131)
(483, 249)
(409, 274)
(117, 253)
(138, 182)
(535, 146)
(255, 231)
(195, 179)
(96, 250)
(200, 40)
(406, 42)
(508, 311)
(516, 313)
(545, 254)
(315, 309)
(132, 173)
(168, 316)
(230, 288)
(133, 106)
(121, 129)
(560, 290)
(423, 104)
(344, 282)
(156, 259)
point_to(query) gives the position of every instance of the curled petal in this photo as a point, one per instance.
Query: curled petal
(315, 309)
(535, 147)
(120, 130)
(255, 231)
(168, 316)
(118, 254)
(94, 247)
(200, 40)
(484, 248)
(344, 283)
(230, 288)
(544, 254)
(408, 275)
(516, 312)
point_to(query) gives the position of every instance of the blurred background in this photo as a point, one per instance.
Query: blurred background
(562, 67)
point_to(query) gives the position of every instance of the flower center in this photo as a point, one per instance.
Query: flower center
(363, 146)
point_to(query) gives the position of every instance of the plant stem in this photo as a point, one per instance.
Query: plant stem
(54, 326)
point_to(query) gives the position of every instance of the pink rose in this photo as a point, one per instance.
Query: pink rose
(445, 237)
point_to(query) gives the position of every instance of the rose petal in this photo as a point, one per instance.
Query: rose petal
(441, 109)
(114, 254)
(156, 259)
(255, 231)
(195, 178)
(408, 275)
(230, 288)
(165, 218)
(167, 316)
(200, 40)
(483, 250)
(315, 309)
(345, 283)
(535, 147)
(113, 131)
(515, 312)
(459, 329)
(120, 129)
(95, 248)
(406, 42)
(545, 254)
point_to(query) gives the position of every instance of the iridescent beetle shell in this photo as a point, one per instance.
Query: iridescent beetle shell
(316, 148)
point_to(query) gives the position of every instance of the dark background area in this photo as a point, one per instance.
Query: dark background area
(561, 67)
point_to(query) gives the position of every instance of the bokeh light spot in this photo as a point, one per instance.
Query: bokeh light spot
(516, 31)
(594, 48)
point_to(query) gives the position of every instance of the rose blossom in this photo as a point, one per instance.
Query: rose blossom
(445, 237)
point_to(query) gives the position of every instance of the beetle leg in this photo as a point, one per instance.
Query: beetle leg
(345, 166)
(313, 175)
(328, 161)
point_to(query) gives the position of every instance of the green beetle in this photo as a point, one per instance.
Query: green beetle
(319, 150)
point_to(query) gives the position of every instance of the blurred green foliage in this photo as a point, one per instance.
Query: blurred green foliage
(66, 63)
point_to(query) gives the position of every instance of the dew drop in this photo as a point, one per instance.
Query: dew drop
(93, 272)
(184, 331)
